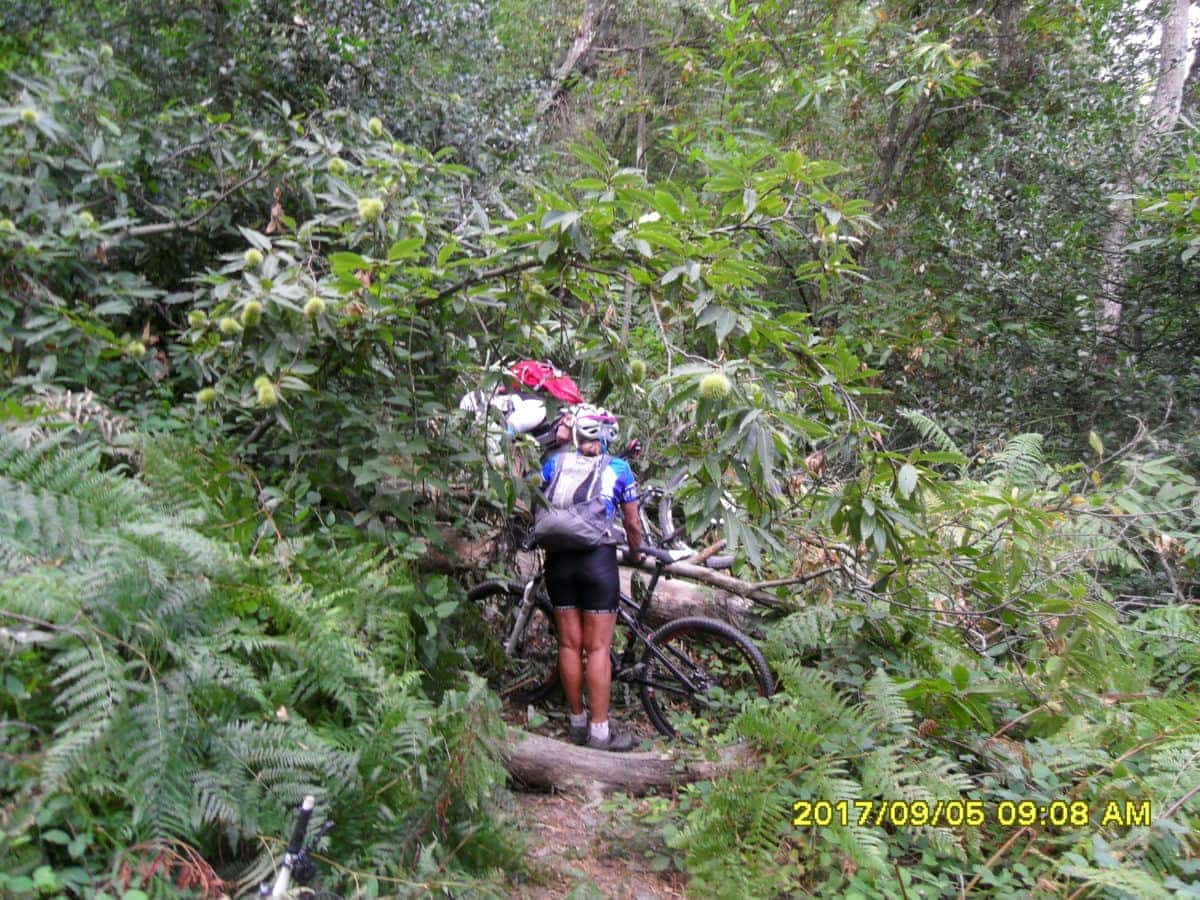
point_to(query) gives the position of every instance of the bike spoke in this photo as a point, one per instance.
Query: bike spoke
(530, 671)
(698, 676)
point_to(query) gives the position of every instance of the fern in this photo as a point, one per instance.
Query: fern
(197, 696)
(71, 416)
(1124, 881)
(885, 707)
(804, 629)
(929, 430)
(1022, 461)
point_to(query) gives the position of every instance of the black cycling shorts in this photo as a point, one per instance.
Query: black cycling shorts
(584, 579)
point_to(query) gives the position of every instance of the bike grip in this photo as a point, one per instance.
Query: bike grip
(719, 562)
(661, 555)
(296, 844)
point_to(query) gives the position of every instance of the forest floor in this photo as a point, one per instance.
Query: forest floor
(581, 847)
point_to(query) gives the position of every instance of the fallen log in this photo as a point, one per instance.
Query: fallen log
(732, 600)
(534, 761)
(720, 580)
(676, 599)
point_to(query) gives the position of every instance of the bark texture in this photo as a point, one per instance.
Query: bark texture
(1161, 117)
(677, 599)
(543, 763)
(590, 26)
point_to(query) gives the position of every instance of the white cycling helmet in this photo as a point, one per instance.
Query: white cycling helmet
(593, 423)
(614, 428)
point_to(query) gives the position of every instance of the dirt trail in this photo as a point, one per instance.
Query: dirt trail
(582, 849)
(588, 848)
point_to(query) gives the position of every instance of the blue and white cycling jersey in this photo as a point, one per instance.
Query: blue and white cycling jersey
(617, 483)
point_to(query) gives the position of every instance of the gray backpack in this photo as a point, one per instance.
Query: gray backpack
(576, 517)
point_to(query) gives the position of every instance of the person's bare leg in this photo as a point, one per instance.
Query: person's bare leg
(570, 656)
(597, 638)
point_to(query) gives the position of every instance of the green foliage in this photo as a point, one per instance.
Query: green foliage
(436, 72)
(985, 661)
(834, 263)
(843, 731)
(165, 687)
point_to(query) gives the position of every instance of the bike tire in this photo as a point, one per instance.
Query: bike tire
(728, 668)
(531, 672)
(670, 518)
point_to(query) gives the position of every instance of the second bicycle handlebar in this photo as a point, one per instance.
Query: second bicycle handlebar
(667, 558)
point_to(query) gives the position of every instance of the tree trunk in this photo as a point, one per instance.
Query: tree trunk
(728, 583)
(1161, 117)
(639, 153)
(585, 39)
(895, 147)
(1190, 103)
(546, 764)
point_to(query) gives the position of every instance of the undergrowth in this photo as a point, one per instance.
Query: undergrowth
(177, 677)
(842, 731)
(996, 666)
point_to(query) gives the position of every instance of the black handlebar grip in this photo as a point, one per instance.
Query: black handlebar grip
(661, 555)
(296, 844)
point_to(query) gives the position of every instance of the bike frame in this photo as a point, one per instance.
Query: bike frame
(625, 668)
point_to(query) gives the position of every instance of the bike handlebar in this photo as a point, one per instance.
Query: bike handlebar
(654, 552)
(666, 558)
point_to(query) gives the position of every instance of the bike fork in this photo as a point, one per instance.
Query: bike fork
(524, 611)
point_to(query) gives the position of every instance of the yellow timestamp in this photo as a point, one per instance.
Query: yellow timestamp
(969, 813)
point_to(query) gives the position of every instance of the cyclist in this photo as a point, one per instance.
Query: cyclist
(582, 582)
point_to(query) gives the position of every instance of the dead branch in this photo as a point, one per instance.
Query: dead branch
(585, 37)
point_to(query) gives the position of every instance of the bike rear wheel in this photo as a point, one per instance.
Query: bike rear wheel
(698, 673)
(530, 672)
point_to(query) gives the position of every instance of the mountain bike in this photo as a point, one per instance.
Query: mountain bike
(693, 674)
(297, 861)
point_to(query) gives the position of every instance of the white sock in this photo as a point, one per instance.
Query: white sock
(600, 730)
(577, 721)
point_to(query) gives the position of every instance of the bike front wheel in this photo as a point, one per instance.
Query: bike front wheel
(698, 674)
(530, 672)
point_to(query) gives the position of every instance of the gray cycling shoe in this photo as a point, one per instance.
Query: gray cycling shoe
(619, 740)
(579, 736)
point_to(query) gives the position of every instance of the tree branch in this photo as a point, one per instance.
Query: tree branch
(167, 227)
(486, 275)
(589, 30)
(713, 578)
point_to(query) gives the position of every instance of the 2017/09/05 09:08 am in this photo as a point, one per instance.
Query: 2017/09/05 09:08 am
(970, 813)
